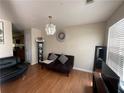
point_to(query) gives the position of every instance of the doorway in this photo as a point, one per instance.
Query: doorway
(18, 44)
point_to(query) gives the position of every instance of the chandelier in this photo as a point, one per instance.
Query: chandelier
(50, 28)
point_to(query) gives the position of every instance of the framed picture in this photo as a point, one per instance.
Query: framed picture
(1, 32)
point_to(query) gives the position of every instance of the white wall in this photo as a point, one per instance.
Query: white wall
(34, 34)
(6, 49)
(3, 13)
(117, 15)
(31, 45)
(80, 41)
(27, 35)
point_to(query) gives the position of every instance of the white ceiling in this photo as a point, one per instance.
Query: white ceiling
(34, 13)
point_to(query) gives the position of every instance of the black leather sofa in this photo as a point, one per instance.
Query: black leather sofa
(59, 67)
(11, 68)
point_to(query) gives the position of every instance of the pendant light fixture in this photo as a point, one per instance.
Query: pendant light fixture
(50, 28)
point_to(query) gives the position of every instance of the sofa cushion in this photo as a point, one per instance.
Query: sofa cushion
(63, 59)
(60, 67)
(11, 69)
(53, 57)
(12, 72)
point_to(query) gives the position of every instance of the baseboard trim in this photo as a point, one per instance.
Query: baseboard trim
(76, 68)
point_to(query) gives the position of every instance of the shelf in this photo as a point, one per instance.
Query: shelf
(40, 51)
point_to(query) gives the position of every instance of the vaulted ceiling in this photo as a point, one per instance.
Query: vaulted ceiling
(34, 13)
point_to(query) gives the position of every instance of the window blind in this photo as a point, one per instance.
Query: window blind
(115, 48)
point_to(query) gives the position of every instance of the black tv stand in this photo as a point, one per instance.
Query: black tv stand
(106, 80)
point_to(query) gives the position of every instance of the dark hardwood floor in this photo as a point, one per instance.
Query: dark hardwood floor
(37, 80)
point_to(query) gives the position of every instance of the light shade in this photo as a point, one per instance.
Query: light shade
(50, 29)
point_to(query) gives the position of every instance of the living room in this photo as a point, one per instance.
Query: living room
(80, 26)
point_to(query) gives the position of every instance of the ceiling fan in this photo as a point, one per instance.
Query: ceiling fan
(89, 1)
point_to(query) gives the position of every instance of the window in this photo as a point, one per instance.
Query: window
(115, 48)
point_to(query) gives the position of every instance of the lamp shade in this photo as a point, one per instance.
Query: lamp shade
(50, 29)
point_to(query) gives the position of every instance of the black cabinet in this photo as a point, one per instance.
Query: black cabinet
(100, 56)
(40, 51)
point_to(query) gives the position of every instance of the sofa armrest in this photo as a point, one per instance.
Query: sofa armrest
(7, 62)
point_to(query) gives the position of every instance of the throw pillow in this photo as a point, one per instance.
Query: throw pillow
(53, 57)
(63, 59)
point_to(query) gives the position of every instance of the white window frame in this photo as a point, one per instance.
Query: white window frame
(117, 31)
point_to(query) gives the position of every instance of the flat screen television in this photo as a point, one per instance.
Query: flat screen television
(110, 78)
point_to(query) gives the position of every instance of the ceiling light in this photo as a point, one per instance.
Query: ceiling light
(89, 1)
(50, 28)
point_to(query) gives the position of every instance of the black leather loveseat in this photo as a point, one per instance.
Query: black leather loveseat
(11, 68)
(59, 67)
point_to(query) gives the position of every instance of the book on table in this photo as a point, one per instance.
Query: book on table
(47, 61)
